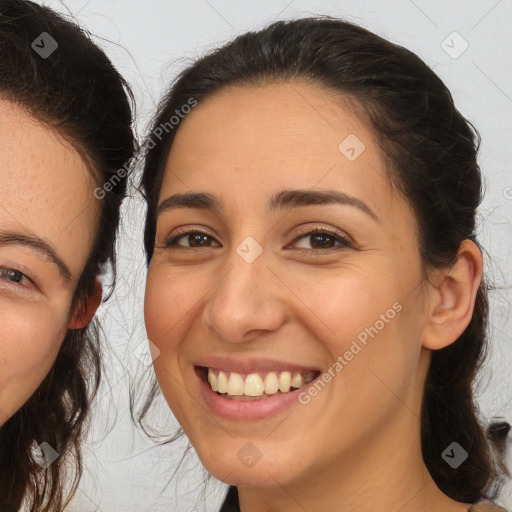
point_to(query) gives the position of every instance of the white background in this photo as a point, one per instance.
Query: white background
(149, 42)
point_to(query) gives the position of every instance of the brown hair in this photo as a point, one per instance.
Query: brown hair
(77, 91)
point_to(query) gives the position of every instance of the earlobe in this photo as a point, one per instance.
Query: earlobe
(84, 312)
(452, 302)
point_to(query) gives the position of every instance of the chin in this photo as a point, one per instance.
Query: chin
(243, 462)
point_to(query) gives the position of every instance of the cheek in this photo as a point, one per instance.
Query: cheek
(367, 322)
(30, 339)
(339, 305)
(168, 305)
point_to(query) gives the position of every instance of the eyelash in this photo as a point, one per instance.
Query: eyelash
(343, 241)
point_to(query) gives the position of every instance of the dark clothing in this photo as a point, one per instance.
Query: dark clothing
(231, 502)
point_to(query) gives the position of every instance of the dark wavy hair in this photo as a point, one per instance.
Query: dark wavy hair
(78, 92)
(432, 156)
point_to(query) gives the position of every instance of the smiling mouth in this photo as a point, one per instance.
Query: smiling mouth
(255, 386)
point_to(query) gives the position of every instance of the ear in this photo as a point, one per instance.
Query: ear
(85, 311)
(452, 298)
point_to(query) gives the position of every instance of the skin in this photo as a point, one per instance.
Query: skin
(47, 194)
(357, 442)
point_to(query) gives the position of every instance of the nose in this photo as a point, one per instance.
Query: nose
(246, 302)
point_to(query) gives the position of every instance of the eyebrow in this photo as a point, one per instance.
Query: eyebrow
(42, 249)
(284, 199)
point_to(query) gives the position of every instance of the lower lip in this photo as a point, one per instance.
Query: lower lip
(247, 410)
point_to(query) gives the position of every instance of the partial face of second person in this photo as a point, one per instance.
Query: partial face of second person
(214, 301)
(48, 216)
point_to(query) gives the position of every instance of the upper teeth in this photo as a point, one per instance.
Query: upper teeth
(254, 384)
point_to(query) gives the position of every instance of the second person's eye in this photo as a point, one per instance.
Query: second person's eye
(321, 239)
(195, 239)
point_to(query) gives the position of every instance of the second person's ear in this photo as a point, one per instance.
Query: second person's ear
(452, 300)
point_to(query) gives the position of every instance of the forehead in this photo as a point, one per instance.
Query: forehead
(252, 139)
(47, 188)
(272, 114)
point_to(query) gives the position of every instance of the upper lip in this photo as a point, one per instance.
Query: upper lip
(252, 365)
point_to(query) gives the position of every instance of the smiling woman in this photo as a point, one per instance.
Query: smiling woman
(65, 129)
(311, 233)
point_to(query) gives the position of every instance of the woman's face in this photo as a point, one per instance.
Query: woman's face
(47, 219)
(255, 295)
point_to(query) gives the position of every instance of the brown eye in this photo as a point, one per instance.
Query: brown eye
(322, 241)
(195, 239)
(198, 240)
(319, 239)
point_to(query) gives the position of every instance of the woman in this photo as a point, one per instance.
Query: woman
(65, 135)
(315, 285)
